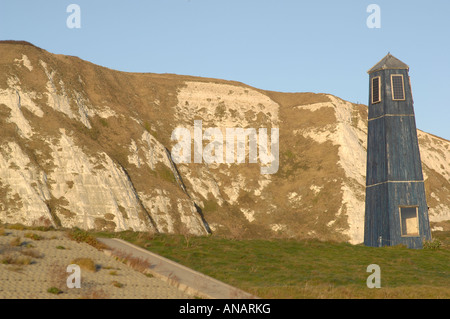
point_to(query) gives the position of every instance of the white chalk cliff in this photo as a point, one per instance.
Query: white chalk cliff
(86, 146)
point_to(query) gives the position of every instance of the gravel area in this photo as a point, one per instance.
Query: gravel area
(38, 261)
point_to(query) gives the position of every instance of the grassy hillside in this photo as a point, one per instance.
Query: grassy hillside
(309, 268)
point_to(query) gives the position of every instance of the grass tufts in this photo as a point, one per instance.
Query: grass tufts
(139, 264)
(11, 259)
(54, 290)
(117, 284)
(85, 263)
(16, 242)
(32, 236)
(82, 236)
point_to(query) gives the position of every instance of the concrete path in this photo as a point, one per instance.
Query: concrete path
(186, 279)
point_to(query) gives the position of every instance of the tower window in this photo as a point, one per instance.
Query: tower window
(398, 89)
(409, 221)
(376, 92)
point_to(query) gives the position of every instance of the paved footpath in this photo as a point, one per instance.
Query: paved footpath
(184, 278)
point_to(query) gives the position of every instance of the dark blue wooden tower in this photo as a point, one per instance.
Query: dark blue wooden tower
(396, 207)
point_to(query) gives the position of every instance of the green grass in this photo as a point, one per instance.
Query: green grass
(54, 290)
(23, 227)
(307, 269)
(165, 173)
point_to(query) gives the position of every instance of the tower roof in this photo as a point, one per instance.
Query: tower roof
(388, 62)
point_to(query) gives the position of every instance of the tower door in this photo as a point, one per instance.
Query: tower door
(409, 221)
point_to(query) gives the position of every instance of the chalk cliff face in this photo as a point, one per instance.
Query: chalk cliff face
(86, 146)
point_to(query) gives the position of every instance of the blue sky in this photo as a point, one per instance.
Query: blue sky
(322, 46)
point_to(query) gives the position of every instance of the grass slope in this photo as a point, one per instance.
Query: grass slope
(307, 269)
